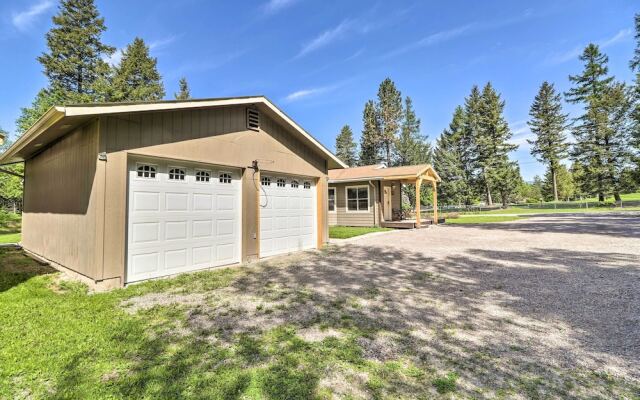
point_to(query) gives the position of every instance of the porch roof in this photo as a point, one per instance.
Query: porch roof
(380, 172)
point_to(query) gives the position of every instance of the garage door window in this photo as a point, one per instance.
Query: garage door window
(225, 177)
(177, 174)
(266, 181)
(281, 182)
(358, 199)
(294, 184)
(203, 176)
(307, 185)
(146, 171)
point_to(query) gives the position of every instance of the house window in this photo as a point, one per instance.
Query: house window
(358, 198)
(332, 199)
(266, 181)
(281, 182)
(294, 184)
(225, 177)
(203, 176)
(146, 171)
(176, 174)
(307, 185)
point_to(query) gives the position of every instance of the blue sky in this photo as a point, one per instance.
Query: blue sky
(322, 60)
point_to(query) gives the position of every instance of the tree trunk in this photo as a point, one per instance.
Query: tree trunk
(388, 148)
(601, 197)
(616, 195)
(555, 184)
(489, 200)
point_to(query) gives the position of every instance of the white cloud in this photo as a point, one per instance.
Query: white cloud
(305, 93)
(521, 133)
(325, 38)
(275, 6)
(574, 53)
(24, 19)
(453, 33)
(115, 58)
(160, 43)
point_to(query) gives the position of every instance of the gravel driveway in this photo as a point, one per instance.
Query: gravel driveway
(543, 307)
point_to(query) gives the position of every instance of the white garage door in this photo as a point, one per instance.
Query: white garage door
(287, 214)
(181, 218)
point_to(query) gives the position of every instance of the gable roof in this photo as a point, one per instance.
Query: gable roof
(380, 172)
(60, 120)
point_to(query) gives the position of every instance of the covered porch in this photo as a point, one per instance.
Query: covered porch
(393, 215)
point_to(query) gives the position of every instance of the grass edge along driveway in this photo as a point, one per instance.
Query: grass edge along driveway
(345, 232)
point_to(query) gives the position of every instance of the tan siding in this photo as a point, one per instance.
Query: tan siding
(342, 216)
(61, 195)
(214, 136)
(250, 218)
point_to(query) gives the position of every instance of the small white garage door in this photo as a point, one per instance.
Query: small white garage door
(181, 218)
(287, 214)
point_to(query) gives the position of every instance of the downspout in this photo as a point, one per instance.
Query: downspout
(375, 202)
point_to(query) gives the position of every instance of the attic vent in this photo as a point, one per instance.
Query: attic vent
(253, 119)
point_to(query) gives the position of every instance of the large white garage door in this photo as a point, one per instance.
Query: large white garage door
(181, 218)
(287, 214)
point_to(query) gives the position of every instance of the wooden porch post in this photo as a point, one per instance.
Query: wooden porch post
(435, 202)
(418, 184)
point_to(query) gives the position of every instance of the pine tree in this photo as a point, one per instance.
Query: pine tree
(389, 110)
(599, 132)
(184, 93)
(548, 124)
(370, 138)
(492, 144)
(507, 182)
(346, 147)
(137, 77)
(635, 98)
(411, 146)
(74, 62)
(447, 159)
(563, 181)
(468, 147)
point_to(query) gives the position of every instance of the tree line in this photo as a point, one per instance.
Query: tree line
(76, 66)
(472, 153)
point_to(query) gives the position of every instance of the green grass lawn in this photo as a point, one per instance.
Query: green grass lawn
(345, 232)
(9, 227)
(10, 238)
(520, 210)
(481, 219)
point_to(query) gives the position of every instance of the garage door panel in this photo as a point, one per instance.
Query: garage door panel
(181, 225)
(287, 215)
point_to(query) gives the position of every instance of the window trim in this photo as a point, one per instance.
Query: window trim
(230, 177)
(157, 171)
(346, 200)
(195, 176)
(186, 173)
(335, 200)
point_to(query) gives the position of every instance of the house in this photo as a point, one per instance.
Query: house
(371, 195)
(119, 193)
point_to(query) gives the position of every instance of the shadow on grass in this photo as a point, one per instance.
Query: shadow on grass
(17, 268)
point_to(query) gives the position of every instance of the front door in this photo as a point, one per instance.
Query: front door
(387, 211)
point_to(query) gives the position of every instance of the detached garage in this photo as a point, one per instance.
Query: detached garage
(119, 193)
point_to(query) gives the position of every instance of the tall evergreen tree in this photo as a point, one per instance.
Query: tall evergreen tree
(548, 123)
(184, 93)
(599, 145)
(370, 138)
(447, 159)
(346, 147)
(74, 61)
(492, 144)
(472, 130)
(563, 182)
(635, 96)
(412, 147)
(389, 110)
(137, 77)
(45, 99)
